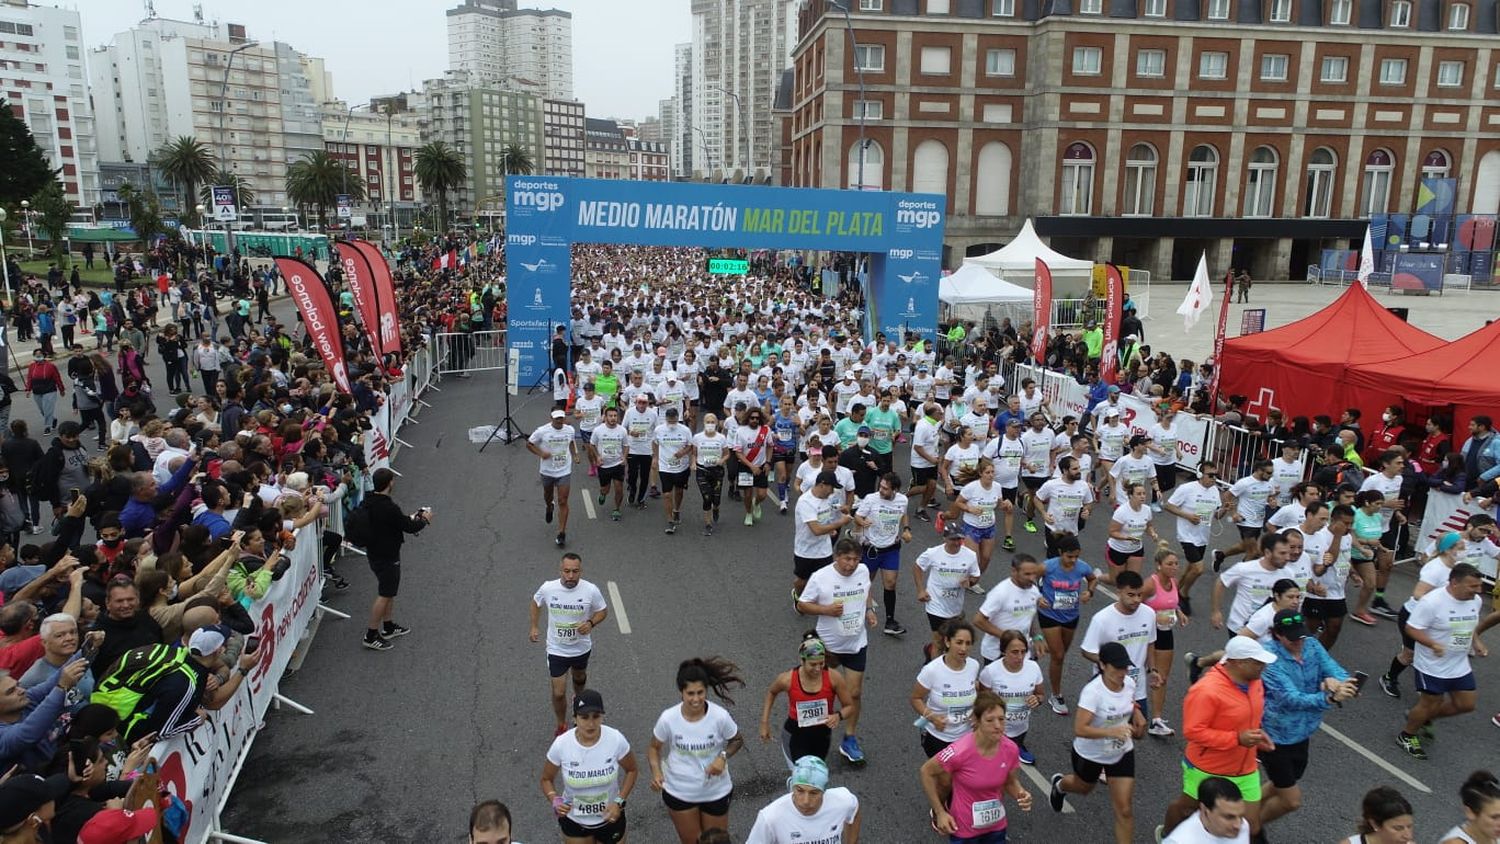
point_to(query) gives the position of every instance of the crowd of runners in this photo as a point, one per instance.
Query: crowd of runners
(905, 466)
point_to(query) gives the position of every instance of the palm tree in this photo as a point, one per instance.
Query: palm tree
(244, 195)
(318, 178)
(145, 215)
(440, 169)
(516, 161)
(187, 162)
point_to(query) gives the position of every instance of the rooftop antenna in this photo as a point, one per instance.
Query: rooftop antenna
(150, 10)
(197, 12)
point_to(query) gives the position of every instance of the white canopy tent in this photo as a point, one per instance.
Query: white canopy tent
(1017, 261)
(974, 293)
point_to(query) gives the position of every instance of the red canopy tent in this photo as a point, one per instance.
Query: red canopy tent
(1461, 374)
(1300, 368)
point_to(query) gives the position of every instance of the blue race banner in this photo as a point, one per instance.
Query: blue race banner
(545, 216)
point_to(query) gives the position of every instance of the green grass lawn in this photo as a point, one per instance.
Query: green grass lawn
(99, 276)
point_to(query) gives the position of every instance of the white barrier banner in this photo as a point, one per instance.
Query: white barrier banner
(1448, 512)
(199, 767)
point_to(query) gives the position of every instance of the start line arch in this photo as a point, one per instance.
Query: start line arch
(545, 216)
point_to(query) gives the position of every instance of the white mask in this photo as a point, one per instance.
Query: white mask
(710, 427)
(863, 441)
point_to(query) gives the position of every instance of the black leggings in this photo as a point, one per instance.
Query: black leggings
(94, 417)
(711, 486)
(638, 477)
(332, 544)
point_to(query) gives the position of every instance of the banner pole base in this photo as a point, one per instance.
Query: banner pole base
(220, 835)
(401, 442)
(282, 700)
(331, 611)
(347, 548)
(423, 403)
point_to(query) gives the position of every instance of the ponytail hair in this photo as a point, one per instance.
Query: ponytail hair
(1479, 790)
(716, 674)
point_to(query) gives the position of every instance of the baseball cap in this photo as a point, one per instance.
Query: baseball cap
(25, 793)
(1244, 647)
(1111, 412)
(1113, 389)
(1114, 654)
(864, 431)
(206, 640)
(953, 530)
(587, 702)
(117, 826)
(558, 414)
(1288, 624)
(809, 771)
(827, 479)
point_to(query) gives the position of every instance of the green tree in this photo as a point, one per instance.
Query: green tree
(25, 170)
(318, 178)
(145, 212)
(188, 163)
(440, 169)
(244, 194)
(516, 161)
(51, 210)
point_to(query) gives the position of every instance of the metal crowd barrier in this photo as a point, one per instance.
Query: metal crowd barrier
(468, 351)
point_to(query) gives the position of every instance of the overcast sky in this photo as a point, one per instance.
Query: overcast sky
(622, 49)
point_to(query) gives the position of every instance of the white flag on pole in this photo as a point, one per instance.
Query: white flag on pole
(1366, 260)
(1199, 296)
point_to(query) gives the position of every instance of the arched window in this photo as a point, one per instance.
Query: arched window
(1437, 165)
(1077, 195)
(1260, 184)
(992, 183)
(1203, 173)
(874, 169)
(1487, 184)
(1140, 181)
(1377, 186)
(930, 168)
(1321, 166)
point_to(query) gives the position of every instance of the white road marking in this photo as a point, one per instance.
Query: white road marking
(1044, 788)
(617, 608)
(588, 504)
(1381, 763)
(1110, 593)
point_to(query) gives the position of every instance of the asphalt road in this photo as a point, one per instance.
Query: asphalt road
(405, 742)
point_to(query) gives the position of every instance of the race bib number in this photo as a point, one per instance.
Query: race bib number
(1016, 710)
(610, 449)
(639, 429)
(745, 479)
(959, 715)
(986, 516)
(1206, 509)
(1071, 505)
(1165, 619)
(1463, 635)
(1012, 461)
(1065, 601)
(590, 805)
(709, 455)
(567, 632)
(849, 622)
(812, 713)
(559, 458)
(986, 813)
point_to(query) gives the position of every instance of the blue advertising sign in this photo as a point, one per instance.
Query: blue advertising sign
(545, 216)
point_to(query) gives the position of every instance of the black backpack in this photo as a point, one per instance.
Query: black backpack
(357, 526)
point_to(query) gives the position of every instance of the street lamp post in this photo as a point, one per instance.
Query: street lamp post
(26, 218)
(223, 145)
(859, 73)
(395, 167)
(4, 259)
(703, 142)
(739, 106)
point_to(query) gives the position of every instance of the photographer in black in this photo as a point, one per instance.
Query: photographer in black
(384, 530)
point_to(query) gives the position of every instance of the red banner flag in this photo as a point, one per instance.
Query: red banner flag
(360, 276)
(1109, 358)
(1041, 303)
(318, 316)
(385, 297)
(1213, 388)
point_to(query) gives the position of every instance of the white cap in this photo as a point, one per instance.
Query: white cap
(1110, 413)
(1244, 647)
(205, 641)
(558, 414)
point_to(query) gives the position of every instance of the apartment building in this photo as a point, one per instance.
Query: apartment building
(42, 80)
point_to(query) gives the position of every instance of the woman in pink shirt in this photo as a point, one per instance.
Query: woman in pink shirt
(967, 782)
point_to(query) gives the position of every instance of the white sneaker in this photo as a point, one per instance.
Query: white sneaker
(1159, 728)
(1059, 706)
(1156, 508)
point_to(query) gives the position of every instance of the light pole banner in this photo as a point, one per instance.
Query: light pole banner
(902, 233)
(344, 206)
(224, 205)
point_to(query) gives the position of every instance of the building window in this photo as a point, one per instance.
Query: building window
(1000, 62)
(1086, 61)
(1151, 63)
(874, 169)
(869, 57)
(937, 61)
(1140, 182)
(1450, 74)
(869, 109)
(992, 181)
(1437, 165)
(1339, 12)
(1213, 65)
(1496, 83)
(937, 7)
(1273, 67)
(1155, 8)
(1077, 180)
(1218, 10)
(1393, 71)
(870, 5)
(1458, 17)
(1091, 7)
(1281, 11)
(1401, 13)
(1203, 173)
(1005, 8)
(1335, 69)
(930, 168)
(1377, 187)
(1260, 188)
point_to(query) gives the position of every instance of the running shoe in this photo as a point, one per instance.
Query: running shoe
(756, 511)
(932, 505)
(1412, 745)
(593, 471)
(1363, 618)
(1389, 685)
(849, 749)
(1426, 733)
(749, 520)
(893, 628)
(1009, 544)
(1059, 706)
(1030, 526)
(392, 630)
(378, 644)
(1156, 508)
(1055, 796)
(640, 505)
(783, 506)
(976, 589)
(1027, 757)
(1382, 609)
(600, 500)
(1161, 830)
(1218, 559)
(654, 492)
(922, 514)
(708, 530)
(1495, 719)
(561, 540)
(1194, 670)
(548, 517)
(671, 528)
(1159, 727)
(614, 515)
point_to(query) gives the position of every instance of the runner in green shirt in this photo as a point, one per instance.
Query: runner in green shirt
(884, 424)
(848, 427)
(607, 384)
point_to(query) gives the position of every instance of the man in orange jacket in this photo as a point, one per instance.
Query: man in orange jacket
(1221, 721)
